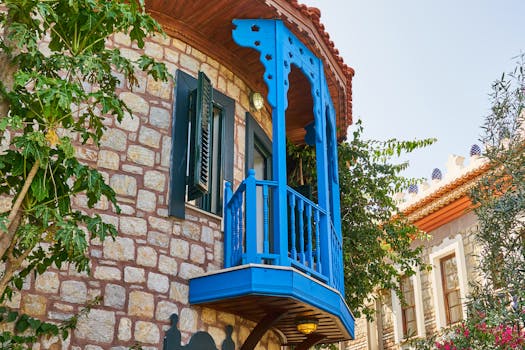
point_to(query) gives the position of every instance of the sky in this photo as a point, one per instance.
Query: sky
(423, 68)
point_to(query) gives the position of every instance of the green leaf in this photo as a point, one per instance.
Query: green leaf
(11, 316)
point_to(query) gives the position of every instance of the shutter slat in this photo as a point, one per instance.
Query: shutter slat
(201, 116)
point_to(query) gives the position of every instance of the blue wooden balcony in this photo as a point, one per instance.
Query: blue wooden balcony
(304, 246)
(278, 274)
(282, 251)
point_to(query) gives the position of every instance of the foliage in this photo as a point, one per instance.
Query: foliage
(57, 96)
(377, 240)
(501, 193)
(496, 309)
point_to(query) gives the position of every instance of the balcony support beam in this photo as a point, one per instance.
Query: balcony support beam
(262, 327)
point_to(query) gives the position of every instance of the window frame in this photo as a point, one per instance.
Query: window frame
(405, 307)
(184, 85)
(446, 291)
(255, 135)
(397, 311)
(451, 245)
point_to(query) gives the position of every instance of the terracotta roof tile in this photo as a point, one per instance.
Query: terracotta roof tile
(315, 15)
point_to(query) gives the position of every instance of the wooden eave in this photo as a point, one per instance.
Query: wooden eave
(207, 26)
(446, 203)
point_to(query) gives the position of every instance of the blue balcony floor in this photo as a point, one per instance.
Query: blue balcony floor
(253, 291)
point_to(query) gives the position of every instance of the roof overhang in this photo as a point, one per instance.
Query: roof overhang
(207, 26)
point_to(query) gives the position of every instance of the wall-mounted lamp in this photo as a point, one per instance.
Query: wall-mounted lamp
(257, 100)
(306, 325)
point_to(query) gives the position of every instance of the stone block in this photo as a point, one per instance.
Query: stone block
(159, 88)
(141, 304)
(160, 118)
(108, 160)
(171, 55)
(133, 226)
(124, 185)
(146, 256)
(122, 39)
(34, 305)
(165, 156)
(153, 50)
(160, 224)
(135, 102)
(121, 249)
(188, 271)
(155, 180)
(114, 296)
(129, 123)
(168, 265)
(141, 155)
(208, 315)
(146, 201)
(86, 154)
(179, 292)
(114, 139)
(157, 282)
(207, 235)
(147, 332)
(197, 254)
(191, 230)
(107, 273)
(134, 275)
(73, 292)
(158, 239)
(149, 137)
(179, 248)
(97, 325)
(47, 282)
(165, 309)
(124, 329)
(188, 320)
(189, 63)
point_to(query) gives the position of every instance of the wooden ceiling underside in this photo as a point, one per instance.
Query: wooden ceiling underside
(255, 307)
(207, 25)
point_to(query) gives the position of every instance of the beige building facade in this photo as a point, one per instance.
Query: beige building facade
(434, 299)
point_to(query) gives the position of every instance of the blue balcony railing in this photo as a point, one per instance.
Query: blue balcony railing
(251, 237)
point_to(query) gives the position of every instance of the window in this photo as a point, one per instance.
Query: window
(449, 281)
(408, 317)
(451, 291)
(259, 158)
(408, 308)
(202, 145)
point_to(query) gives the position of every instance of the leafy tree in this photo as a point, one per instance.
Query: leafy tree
(496, 309)
(54, 97)
(377, 240)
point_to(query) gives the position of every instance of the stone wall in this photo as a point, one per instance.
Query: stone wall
(142, 275)
(466, 226)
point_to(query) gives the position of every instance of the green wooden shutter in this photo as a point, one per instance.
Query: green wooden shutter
(200, 114)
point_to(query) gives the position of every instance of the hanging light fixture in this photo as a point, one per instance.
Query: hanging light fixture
(306, 325)
(257, 100)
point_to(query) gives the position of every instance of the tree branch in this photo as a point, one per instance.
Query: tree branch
(23, 192)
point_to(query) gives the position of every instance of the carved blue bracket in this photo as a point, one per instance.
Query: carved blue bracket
(277, 56)
(198, 341)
